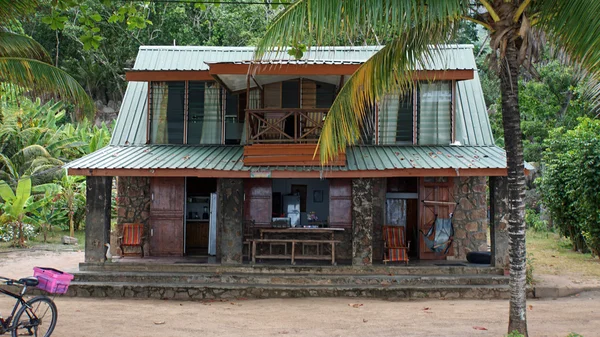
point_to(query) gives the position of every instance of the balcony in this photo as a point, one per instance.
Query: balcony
(284, 126)
(285, 137)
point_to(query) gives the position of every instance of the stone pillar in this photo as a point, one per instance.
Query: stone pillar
(230, 195)
(470, 216)
(499, 213)
(362, 221)
(133, 204)
(379, 191)
(97, 219)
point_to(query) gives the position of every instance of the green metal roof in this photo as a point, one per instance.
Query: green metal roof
(229, 158)
(169, 58)
(472, 124)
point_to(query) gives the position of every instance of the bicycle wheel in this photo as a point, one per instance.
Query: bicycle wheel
(38, 318)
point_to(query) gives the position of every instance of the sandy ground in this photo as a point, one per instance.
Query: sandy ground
(91, 317)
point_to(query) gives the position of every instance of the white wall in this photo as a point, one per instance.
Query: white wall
(284, 186)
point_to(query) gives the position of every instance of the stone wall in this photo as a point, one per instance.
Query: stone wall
(133, 204)
(470, 216)
(379, 191)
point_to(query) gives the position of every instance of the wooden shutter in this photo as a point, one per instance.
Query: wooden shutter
(340, 203)
(309, 94)
(166, 216)
(258, 202)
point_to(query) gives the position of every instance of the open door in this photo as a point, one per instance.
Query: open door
(212, 229)
(166, 216)
(433, 189)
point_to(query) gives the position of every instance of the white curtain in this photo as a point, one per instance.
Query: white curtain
(211, 124)
(160, 100)
(388, 119)
(435, 103)
(395, 212)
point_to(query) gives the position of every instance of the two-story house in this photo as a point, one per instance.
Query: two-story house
(208, 139)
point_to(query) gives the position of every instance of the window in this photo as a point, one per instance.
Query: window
(185, 113)
(435, 111)
(396, 119)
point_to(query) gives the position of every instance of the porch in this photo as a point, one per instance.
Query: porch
(191, 279)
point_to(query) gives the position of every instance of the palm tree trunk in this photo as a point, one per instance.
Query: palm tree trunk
(513, 139)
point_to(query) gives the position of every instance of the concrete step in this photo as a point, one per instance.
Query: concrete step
(289, 279)
(151, 266)
(227, 291)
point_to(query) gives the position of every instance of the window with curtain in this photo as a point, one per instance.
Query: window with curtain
(396, 119)
(167, 117)
(168, 113)
(435, 109)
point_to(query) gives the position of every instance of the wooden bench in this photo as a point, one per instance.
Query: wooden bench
(293, 257)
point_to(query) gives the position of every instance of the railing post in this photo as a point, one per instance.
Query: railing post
(248, 128)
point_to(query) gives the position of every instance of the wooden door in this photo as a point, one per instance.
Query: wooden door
(433, 189)
(340, 203)
(258, 202)
(166, 216)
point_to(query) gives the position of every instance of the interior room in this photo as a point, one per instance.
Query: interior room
(198, 208)
(301, 199)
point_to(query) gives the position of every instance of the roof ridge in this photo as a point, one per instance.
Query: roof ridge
(316, 48)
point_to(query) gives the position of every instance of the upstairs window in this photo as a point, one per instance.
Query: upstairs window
(435, 113)
(396, 119)
(433, 124)
(185, 113)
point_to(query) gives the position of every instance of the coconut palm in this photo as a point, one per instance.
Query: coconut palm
(410, 28)
(26, 64)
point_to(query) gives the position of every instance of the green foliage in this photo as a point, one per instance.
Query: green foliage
(515, 333)
(533, 221)
(557, 99)
(571, 183)
(530, 268)
(99, 26)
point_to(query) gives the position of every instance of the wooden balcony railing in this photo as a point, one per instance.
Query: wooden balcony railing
(294, 126)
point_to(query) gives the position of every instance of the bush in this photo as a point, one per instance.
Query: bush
(571, 183)
(10, 231)
(533, 221)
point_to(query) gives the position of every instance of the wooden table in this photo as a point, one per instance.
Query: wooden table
(330, 239)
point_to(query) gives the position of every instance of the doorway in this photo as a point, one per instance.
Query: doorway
(200, 216)
(402, 209)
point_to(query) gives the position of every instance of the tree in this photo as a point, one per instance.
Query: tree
(412, 26)
(25, 63)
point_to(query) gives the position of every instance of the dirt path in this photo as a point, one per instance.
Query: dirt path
(88, 317)
(91, 317)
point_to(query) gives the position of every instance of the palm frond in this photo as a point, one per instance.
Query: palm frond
(40, 76)
(10, 9)
(16, 45)
(317, 21)
(574, 26)
(390, 69)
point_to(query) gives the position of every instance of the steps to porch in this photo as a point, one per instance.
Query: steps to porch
(210, 282)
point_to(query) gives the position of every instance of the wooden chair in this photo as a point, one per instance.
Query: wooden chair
(133, 234)
(312, 124)
(394, 244)
(274, 127)
(248, 235)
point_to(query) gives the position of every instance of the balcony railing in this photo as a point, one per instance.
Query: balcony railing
(294, 126)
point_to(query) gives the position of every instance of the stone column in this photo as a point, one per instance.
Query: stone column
(499, 213)
(230, 195)
(362, 221)
(379, 191)
(470, 216)
(97, 219)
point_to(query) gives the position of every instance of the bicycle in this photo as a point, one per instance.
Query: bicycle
(36, 317)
